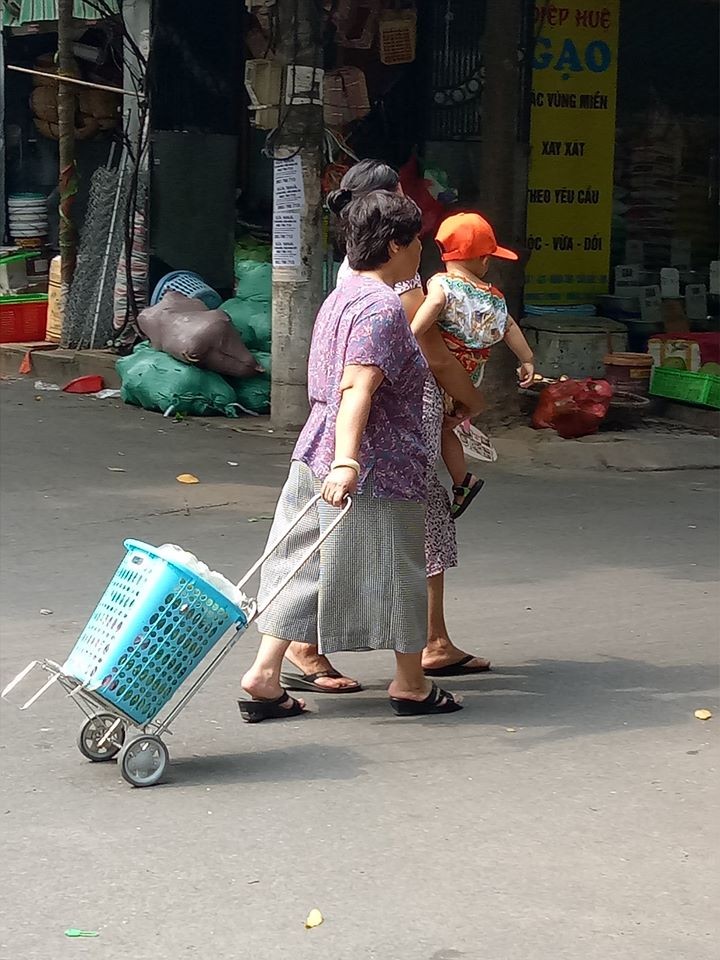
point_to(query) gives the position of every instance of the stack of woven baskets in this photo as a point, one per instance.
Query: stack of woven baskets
(96, 110)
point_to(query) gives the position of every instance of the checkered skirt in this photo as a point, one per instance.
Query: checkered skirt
(365, 589)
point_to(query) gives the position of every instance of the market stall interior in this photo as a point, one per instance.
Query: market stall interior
(31, 122)
(181, 199)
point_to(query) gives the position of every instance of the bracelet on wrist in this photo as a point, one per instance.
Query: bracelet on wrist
(347, 462)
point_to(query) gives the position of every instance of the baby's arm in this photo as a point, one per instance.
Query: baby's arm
(515, 339)
(429, 312)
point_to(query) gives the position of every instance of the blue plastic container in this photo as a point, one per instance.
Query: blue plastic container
(190, 284)
(153, 625)
(565, 310)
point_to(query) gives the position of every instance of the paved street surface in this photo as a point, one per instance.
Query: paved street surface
(568, 813)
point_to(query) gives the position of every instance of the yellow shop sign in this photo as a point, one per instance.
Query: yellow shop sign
(572, 144)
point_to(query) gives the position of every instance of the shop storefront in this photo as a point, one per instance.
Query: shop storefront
(624, 157)
(30, 104)
(587, 132)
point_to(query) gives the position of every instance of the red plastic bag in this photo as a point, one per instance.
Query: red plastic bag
(415, 186)
(574, 408)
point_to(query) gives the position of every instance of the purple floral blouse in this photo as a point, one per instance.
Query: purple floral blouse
(363, 322)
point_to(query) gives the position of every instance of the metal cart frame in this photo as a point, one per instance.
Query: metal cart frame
(144, 759)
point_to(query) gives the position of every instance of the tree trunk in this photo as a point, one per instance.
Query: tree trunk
(66, 145)
(503, 170)
(297, 287)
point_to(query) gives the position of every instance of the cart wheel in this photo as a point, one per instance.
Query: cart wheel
(143, 761)
(93, 730)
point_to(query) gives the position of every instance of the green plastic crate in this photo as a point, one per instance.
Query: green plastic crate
(702, 389)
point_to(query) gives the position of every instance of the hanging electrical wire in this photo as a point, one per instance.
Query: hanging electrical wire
(286, 108)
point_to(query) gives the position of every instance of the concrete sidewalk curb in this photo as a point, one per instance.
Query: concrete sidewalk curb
(632, 451)
(58, 365)
(635, 451)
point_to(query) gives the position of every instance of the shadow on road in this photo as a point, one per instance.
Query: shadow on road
(303, 762)
(559, 699)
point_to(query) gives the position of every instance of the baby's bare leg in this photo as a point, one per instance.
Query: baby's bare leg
(453, 456)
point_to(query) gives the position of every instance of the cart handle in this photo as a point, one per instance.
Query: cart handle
(269, 551)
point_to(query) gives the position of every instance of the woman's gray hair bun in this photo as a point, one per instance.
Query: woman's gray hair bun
(337, 200)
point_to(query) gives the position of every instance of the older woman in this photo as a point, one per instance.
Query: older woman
(364, 437)
(441, 656)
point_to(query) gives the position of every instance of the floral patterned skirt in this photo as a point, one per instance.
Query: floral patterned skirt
(440, 538)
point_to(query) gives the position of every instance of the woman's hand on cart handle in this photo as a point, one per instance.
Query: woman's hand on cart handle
(338, 485)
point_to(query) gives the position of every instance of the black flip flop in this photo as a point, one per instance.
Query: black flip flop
(458, 669)
(255, 711)
(307, 681)
(468, 491)
(437, 701)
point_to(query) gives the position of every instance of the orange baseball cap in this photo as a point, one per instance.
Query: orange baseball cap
(468, 236)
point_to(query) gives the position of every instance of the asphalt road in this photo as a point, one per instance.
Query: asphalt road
(568, 812)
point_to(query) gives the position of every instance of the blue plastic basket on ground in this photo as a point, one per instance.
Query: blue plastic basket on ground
(190, 284)
(153, 625)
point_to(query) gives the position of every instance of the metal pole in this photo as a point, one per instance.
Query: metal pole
(73, 81)
(297, 267)
(66, 147)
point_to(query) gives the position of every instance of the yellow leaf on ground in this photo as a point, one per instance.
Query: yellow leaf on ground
(187, 478)
(702, 714)
(315, 918)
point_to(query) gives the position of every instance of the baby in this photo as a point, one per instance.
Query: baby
(472, 316)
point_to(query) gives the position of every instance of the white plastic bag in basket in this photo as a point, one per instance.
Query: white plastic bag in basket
(175, 554)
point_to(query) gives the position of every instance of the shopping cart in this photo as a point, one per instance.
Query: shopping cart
(155, 624)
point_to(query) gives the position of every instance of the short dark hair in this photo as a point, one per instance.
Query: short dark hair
(373, 221)
(362, 178)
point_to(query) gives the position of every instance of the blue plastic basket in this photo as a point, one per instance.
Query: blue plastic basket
(565, 310)
(153, 625)
(190, 284)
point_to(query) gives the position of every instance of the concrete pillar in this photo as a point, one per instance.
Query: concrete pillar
(297, 285)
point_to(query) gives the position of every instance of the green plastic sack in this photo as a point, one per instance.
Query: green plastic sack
(247, 248)
(240, 312)
(264, 359)
(260, 319)
(253, 280)
(252, 320)
(253, 393)
(156, 381)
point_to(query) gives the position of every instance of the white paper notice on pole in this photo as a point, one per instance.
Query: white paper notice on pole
(288, 190)
(286, 246)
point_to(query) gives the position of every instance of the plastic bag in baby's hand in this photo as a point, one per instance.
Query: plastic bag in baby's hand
(476, 444)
